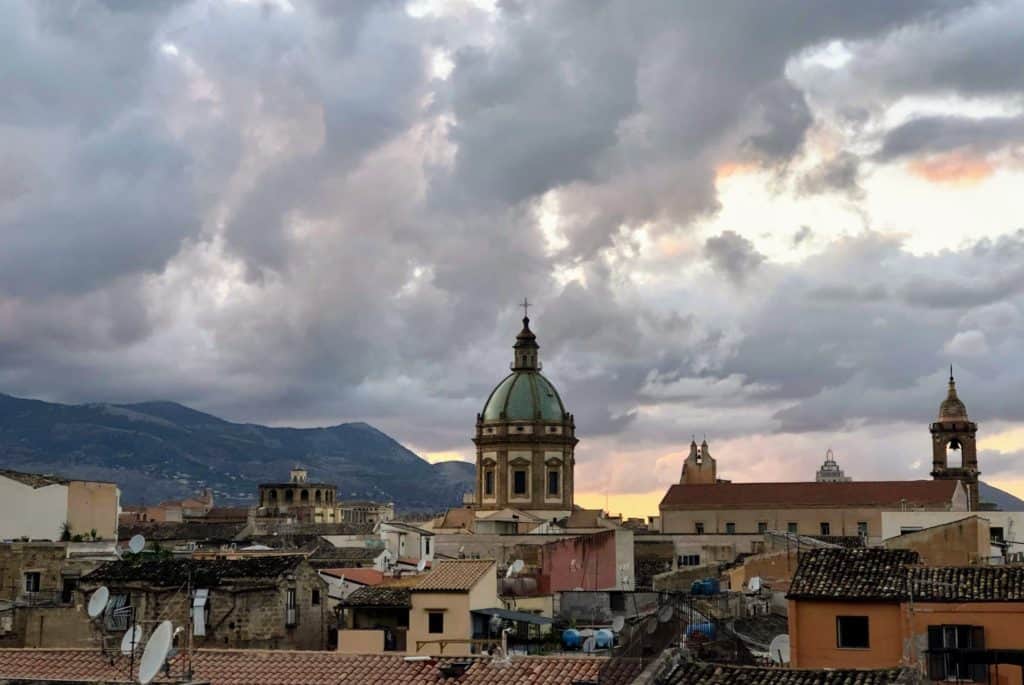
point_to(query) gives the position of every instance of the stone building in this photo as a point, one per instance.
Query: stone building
(525, 439)
(305, 501)
(954, 432)
(830, 471)
(268, 602)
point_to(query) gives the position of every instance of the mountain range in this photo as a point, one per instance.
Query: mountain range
(162, 450)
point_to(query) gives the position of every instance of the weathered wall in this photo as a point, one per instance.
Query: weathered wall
(457, 622)
(361, 641)
(35, 513)
(960, 543)
(93, 506)
(812, 635)
(586, 562)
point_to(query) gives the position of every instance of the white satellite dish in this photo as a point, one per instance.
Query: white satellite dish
(589, 644)
(665, 614)
(98, 601)
(778, 650)
(136, 544)
(754, 584)
(651, 625)
(617, 624)
(517, 566)
(155, 654)
(131, 640)
(421, 565)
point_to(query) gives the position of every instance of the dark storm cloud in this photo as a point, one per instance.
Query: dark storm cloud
(943, 134)
(285, 216)
(733, 255)
(839, 174)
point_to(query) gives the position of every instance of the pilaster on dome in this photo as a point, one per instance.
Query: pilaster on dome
(952, 408)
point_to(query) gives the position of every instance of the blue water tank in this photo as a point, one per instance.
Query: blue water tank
(705, 629)
(571, 638)
(706, 586)
(604, 638)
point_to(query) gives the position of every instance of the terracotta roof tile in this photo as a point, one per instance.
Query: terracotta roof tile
(935, 493)
(889, 574)
(456, 575)
(696, 673)
(248, 667)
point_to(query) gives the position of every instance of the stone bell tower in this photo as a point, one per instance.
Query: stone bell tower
(953, 433)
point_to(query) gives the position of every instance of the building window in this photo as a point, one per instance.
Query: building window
(519, 482)
(67, 590)
(904, 530)
(730, 528)
(943, 665)
(791, 527)
(489, 482)
(289, 496)
(553, 482)
(304, 496)
(689, 560)
(435, 622)
(32, 580)
(698, 527)
(426, 547)
(996, 533)
(862, 528)
(291, 609)
(852, 632)
(826, 529)
(315, 600)
(762, 526)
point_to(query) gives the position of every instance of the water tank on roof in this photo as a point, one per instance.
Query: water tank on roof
(705, 629)
(604, 638)
(571, 638)
(519, 586)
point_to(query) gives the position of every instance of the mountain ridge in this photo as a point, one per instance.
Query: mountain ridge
(165, 450)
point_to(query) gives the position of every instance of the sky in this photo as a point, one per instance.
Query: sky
(772, 224)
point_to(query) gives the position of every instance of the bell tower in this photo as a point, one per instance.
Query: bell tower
(953, 435)
(699, 467)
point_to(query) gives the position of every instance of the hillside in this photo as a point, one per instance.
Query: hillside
(1003, 500)
(162, 450)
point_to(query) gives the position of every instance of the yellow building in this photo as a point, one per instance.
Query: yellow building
(441, 619)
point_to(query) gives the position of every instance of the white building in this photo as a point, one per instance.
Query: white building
(43, 507)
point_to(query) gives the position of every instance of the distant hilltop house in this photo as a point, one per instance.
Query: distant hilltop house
(47, 507)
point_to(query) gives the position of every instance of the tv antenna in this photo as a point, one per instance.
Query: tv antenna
(778, 650)
(515, 568)
(98, 602)
(136, 544)
(155, 654)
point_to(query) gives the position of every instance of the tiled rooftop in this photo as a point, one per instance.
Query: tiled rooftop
(379, 596)
(456, 575)
(696, 673)
(33, 480)
(204, 572)
(363, 576)
(189, 531)
(249, 667)
(891, 574)
(688, 497)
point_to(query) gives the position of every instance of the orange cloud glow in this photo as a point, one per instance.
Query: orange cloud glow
(953, 169)
(727, 169)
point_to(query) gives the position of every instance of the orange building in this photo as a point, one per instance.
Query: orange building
(878, 608)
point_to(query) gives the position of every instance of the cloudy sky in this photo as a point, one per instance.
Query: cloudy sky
(771, 223)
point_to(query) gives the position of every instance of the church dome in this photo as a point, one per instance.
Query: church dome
(525, 394)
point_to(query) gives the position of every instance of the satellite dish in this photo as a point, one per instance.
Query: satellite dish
(517, 566)
(421, 565)
(665, 614)
(618, 623)
(495, 624)
(98, 601)
(588, 644)
(651, 625)
(131, 640)
(136, 544)
(778, 650)
(156, 652)
(754, 584)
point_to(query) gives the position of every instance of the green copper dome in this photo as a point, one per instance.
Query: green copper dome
(524, 396)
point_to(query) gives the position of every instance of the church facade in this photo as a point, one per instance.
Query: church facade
(525, 439)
